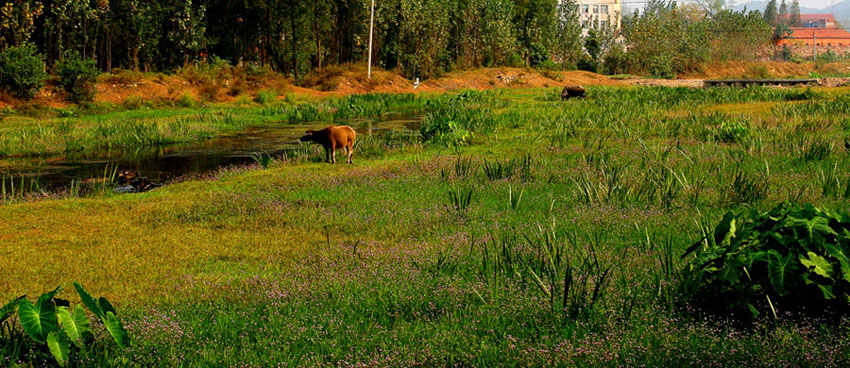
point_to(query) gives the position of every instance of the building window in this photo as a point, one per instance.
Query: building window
(596, 9)
(603, 9)
(829, 43)
(603, 24)
(585, 8)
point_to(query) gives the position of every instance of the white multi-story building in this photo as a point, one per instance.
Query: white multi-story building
(600, 14)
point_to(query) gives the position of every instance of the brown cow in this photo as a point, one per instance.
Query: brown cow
(331, 138)
(572, 91)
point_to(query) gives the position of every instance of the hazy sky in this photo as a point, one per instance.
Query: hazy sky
(804, 3)
(817, 3)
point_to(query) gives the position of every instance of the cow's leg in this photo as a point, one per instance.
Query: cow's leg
(333, 154)
(327, 155)
(349, 149)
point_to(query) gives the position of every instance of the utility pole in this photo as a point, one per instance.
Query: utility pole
(814, 47)
(371, 28)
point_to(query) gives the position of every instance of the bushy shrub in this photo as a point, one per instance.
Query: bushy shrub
(792, 258)
(445, 132)
(662, 67)
(22, 71)
(731, 132)
(588, 64)
(77, 76)
(828, 57)
(757, 71)
(615, 60)
(187, 100)
(265, 96)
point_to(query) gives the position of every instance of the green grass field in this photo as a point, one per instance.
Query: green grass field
(434, 253)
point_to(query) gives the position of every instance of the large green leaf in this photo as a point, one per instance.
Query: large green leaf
(725, 230)
(90, 303)
(116, 329)
(9, 309)
(105, 306)
(817, 264)
(59, 345)
(827, 292)
(814, 230)
(37, 320)
(837, 251)
(76, 326)
(776, 269)
(48, 296)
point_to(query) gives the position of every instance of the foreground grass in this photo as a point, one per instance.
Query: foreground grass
(374, 265)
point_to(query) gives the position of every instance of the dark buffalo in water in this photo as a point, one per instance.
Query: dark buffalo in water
(133, 182)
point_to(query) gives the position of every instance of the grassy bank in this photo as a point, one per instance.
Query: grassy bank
(455, 254)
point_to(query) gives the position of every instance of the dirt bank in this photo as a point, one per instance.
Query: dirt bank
(766, 69)
(133, 88)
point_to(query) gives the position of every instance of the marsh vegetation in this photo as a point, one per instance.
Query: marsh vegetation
(514, 229)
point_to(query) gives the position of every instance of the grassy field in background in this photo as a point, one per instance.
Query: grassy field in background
(414, 255)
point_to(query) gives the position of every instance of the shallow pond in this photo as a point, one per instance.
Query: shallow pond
(163, 163)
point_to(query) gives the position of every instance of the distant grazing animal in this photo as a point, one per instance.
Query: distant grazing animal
(572, 91)
(135, 180)
(331, 138)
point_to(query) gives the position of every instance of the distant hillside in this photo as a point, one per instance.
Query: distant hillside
(841, 10)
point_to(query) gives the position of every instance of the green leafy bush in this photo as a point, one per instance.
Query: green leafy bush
(731, 132)
(720, 127)
(22, 71)
(52, 322)
(793, 258)
(757, 71)
(77, 76)
(445, 132)
(265, 96)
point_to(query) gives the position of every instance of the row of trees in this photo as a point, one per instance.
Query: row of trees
(782, 16)
(666, 39)
(421, 38)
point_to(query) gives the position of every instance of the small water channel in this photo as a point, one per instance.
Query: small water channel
(161, 164)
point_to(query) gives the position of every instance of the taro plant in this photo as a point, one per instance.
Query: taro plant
(50, 322)
(727, 131)
(793, 258)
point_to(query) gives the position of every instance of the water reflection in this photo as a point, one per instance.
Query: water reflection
(163, 163)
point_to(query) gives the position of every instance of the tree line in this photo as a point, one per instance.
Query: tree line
(420, 38)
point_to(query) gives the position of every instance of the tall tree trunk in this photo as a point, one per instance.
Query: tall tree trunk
(294, 38)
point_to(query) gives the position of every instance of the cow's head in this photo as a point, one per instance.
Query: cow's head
(309, 136)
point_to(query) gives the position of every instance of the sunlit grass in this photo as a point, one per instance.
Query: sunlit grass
(314, 264)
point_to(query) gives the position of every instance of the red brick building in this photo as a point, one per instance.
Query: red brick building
(817, 21)
(826, 37)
